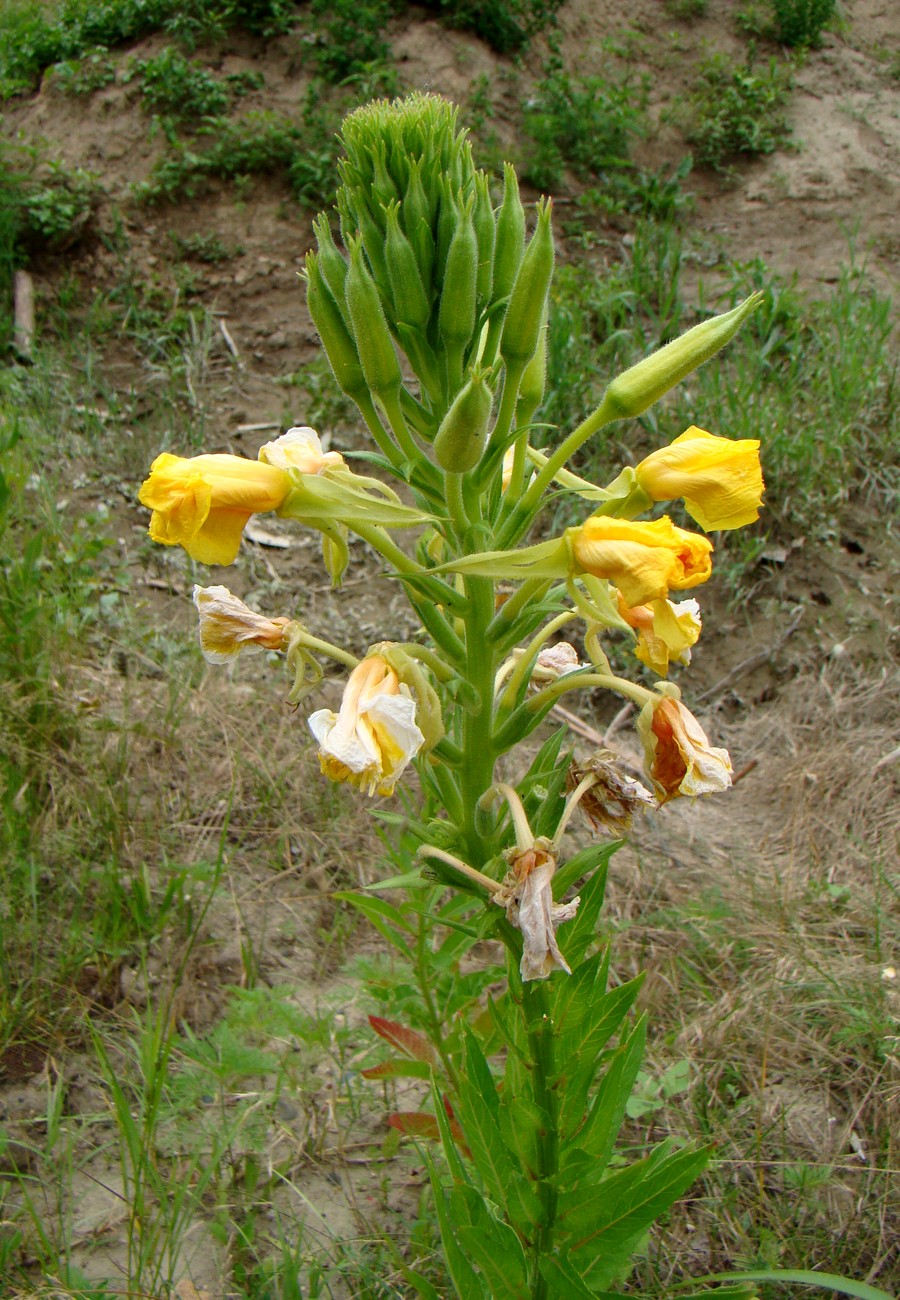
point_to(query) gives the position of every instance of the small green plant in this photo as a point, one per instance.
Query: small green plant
(303, 151)
(586, 124)
(180, 89)
(506, 26)
(204, 248)
(800, 23)
(348, 39)
(85, 75)
(737, 111)
(687, 10)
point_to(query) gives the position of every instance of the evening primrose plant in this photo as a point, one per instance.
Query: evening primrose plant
(434, 321)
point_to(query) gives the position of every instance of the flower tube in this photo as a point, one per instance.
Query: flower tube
(644, 560)
(372, 739)
(720, 479)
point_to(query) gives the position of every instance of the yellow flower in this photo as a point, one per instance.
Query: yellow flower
(720, 478)
(678, 756)
(203, 503)
(374, 737)
(227, 626)
(665, 631)
(301, 448)
(644, 560)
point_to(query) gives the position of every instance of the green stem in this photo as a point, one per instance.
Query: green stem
(477, 773)
(315, 643)
(424, 963)
(390, 402)
(541, 1041)
(378, 431)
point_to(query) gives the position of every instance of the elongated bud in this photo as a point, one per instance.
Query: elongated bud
(447, 221)
(485, 234)
(336, 338)
(332, 266)
(460, 441)
(534, 380)
(636, 389)
(456, 314)
(373, 340)
(525, 313)
(409, 305)
(510, 242)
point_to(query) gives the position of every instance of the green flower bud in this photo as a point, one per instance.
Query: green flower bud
(357, 220)
(331, 265)
(370, 329)
(533, 381)
(510, 241)
(409, 304)
(528, 302)
(485, 234)
(461, 439)
(636, 389)
(448, 216)
(456, 314)
(336, 339)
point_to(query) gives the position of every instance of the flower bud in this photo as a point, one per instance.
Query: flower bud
(485, 235)
(533, 382)
(456, 315)
(336, 339)
(409, 304)
(460, 441)
(527, 304)
(373, 340)
(634, 391)
(332, 266)
(510, 241)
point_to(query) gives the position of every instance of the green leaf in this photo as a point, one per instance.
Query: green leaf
(576, 936)
(719, 1293)
(594, 857)
(383, 916)
(478, 1108)
(492, 1244)
(806, 1276)
(409, 880)
(597, 1134)
(567, 1282)
(606, 1221)
(469, 1286)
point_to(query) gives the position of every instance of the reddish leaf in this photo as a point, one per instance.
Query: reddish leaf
(409, 1042)
(415, 1123)
(396, 1069)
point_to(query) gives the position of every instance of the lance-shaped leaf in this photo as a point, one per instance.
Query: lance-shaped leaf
(398, 1069)
(409, 1042)
(468, 1284)
(418, 1123)
(605, 1222)
(387, 919)
(492, 1244)
(479, 1113)
(596, 1133)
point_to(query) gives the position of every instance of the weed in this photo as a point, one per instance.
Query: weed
(736, 111)
(800, 23)
(687, 10)
(347, 38)
(210, 249)
(180, 89)
(583, 123)
(84, 75)
(506, 25)
(260, 143)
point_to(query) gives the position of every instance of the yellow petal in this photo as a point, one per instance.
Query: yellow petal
(720, 479)
(644, 560)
